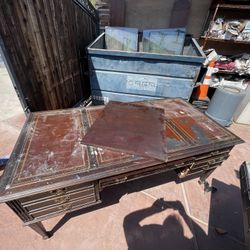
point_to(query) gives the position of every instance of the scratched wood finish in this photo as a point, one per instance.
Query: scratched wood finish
(51, 172)
(45, 42)
(38, 166)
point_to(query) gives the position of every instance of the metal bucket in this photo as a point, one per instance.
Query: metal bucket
(224, 103)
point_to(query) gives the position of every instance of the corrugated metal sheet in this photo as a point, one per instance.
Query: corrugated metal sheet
(44, 42)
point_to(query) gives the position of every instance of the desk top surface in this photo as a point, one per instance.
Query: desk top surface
(49, 153)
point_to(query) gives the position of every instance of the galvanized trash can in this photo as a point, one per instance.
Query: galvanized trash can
(224, 103)
(137, 76)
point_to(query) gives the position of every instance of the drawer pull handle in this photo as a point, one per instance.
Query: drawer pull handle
(59, 191)
(62, 199)
(186, 171)
(65, 207)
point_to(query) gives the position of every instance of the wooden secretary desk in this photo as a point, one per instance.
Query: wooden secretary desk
(51, 172)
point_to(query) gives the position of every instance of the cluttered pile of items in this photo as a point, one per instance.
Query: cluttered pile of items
(238, 30)
(226, 83)
(225, 77)
(232, 70)
(236, 64)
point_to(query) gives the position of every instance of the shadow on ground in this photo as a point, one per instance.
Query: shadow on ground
(111, 195)
(225, 230)
(225, 225)
(169, 235)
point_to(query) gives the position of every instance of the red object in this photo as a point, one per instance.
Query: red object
(201, 92)
(226, 65)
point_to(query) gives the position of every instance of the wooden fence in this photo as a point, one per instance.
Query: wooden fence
(44, 44)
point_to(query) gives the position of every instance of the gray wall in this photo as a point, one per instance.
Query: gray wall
(145, 14)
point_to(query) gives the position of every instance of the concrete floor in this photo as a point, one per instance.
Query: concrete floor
(131, 215)
(11, 113)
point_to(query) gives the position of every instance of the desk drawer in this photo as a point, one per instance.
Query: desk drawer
(197, 164)
(64, 208)
(56, 193)
(57, 200)
(201, 163)
(60, 200)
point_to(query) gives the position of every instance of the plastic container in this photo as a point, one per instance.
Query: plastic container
(224, 103)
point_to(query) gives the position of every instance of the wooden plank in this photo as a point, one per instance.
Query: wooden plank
(42, 42)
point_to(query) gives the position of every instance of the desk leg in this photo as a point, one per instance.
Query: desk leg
(39, 228)
(202, 181)
(23, 214)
